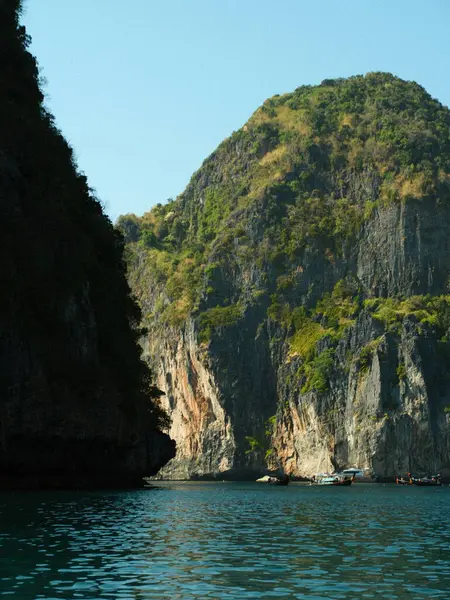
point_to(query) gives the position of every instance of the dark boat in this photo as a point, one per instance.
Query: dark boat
(344, 481)
(433, 481)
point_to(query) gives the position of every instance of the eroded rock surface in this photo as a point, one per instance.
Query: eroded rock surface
(296, 293)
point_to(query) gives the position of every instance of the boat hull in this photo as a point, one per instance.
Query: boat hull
(422, 483)
(338, 482)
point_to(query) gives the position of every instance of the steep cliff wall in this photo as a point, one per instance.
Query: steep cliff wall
(299, 288)
(76, 401)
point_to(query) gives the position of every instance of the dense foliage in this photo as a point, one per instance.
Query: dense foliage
(315, 163)
(62, 275)
(300, 179)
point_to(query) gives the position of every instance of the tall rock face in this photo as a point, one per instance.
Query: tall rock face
(76, 400)
(296, 294)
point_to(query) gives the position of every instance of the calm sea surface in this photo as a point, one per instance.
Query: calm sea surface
(227, 540)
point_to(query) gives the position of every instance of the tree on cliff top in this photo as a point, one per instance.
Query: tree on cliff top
(308, 169)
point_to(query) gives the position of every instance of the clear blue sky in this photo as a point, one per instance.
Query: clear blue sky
(145, 90)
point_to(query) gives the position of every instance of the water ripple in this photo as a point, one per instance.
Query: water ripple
(230, 541)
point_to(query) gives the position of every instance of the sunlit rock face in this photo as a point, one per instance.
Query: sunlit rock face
(296, 294)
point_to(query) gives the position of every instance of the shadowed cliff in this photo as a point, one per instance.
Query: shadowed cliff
(76, 401)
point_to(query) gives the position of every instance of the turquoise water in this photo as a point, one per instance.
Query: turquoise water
(227, 540)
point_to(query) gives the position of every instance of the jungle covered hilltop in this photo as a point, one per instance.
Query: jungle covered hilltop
(77, 404)
(296, 294)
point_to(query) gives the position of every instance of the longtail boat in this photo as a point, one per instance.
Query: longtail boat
(274, 480)
(332, 480)
(432, 481)
(404, 480)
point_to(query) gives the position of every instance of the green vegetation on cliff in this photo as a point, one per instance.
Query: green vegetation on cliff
(306, 267)
(309, 167)
(273, 215)
(426, 310)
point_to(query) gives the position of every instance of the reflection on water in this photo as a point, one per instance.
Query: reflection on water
(186, 541)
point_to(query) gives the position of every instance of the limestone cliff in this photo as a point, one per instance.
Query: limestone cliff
(296, 293)
(76, 401)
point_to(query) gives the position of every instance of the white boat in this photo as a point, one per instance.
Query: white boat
(353, 471)
(361, 475)
(274, 480)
